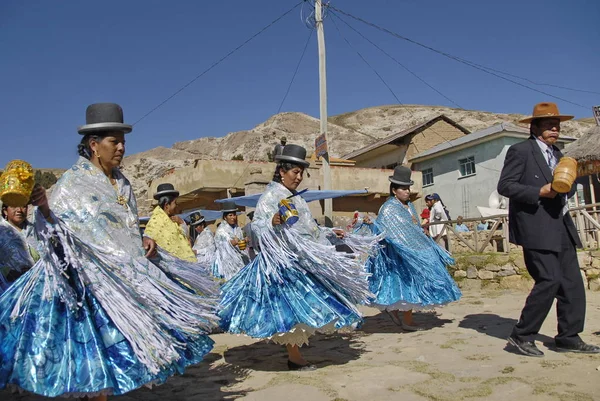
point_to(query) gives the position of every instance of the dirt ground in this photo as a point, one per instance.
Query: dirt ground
(461, 356)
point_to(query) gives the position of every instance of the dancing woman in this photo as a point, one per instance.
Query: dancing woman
(95, 316)
(204, 245)
(409, 272)
(229, 241)
(298, 283)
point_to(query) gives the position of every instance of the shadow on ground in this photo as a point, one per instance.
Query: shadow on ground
(323, 350)
(382, 323)
(497, 326)
(208, 381)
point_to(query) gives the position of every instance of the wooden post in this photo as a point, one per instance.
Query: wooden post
(323, 110)
(505, 235)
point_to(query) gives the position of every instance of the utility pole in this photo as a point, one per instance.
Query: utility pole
(323, 110)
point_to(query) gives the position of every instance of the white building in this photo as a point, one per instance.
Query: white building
(465, 171)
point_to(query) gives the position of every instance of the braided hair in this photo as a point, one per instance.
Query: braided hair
(84, 148)
(165, 200)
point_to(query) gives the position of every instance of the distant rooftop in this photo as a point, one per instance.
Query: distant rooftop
(414, 129)
(478, 136)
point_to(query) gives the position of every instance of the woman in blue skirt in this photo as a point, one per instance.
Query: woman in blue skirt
(298, 283)
(409, 271)
(95, 316)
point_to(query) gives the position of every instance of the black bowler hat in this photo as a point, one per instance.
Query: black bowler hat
(196, 218)
(294, 154)
(165, 190)
(102, 117)
(228, 207)
(401, 176)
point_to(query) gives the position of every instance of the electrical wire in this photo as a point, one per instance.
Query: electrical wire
(289, 87)
(397, 62)
(216, 63)
(479, 67)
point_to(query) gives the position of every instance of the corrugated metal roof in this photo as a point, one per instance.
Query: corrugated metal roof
(477, 135)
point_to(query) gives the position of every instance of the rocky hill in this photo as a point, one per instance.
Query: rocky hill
(347, 132)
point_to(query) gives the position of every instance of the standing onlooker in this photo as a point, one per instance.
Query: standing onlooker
(539, 221)
(425, 215)
(437, 214)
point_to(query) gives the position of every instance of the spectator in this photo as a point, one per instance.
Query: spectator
(460, 226)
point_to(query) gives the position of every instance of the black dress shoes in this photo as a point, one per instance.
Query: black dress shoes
(301, 368)
(579, 347)
(527, 348)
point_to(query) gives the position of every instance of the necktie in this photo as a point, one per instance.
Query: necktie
(552, 164)
(551, 159)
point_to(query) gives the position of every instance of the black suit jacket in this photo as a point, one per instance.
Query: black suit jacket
(534, 222)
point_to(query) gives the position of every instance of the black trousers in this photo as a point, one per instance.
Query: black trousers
(556, 275)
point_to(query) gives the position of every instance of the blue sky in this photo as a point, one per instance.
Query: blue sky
(59, 56)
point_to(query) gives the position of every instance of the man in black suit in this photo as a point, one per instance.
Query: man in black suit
(539, 221)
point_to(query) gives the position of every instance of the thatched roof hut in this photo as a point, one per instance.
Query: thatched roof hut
(586, 150)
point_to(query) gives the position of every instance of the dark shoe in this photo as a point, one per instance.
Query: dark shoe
(394, 318)
(407, 327)
(579, 347)
(301, 368)
(525, 347)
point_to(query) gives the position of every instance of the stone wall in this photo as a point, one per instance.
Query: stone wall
(500, 270)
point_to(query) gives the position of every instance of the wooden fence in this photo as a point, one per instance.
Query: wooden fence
(586, 219)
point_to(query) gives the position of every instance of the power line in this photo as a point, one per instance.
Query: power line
(374, 70)
(397, 62)
(487, 70)
(178, 91)
(432, 130)
(286, 92)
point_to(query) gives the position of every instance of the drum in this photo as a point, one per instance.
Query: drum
(565, 174)
(288, 212)
(242, 244)
(16, 183)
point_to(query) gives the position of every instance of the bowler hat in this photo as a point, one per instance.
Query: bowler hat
(228, 207)
(165, 190)
(545, 110)
(102, 117)
(401, 176)
(294, 154)
(196, 218)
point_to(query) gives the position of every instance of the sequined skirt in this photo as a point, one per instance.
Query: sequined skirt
(53, 351)
(263, 303)
(403, 278)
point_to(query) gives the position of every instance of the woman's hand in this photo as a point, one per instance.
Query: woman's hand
(367, 220)
(150, 247)
(276, 220)
(177, 219)
(339, 233)
(39, 199)
(234, 242)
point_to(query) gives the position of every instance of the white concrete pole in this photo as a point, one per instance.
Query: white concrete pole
(323, 109)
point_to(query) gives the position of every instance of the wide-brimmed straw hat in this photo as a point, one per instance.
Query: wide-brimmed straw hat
(545, 110)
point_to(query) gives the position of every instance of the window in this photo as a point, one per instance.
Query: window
(467, 166)
(427, 177)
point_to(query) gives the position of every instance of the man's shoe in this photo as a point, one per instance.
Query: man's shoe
(301, 368)
(527, 348)
(579, 347)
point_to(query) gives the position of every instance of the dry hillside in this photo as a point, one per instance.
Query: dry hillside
(347, 132)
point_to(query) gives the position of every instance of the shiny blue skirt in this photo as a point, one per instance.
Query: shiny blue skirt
(52, 351)
(261, 304)
(404, 278)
